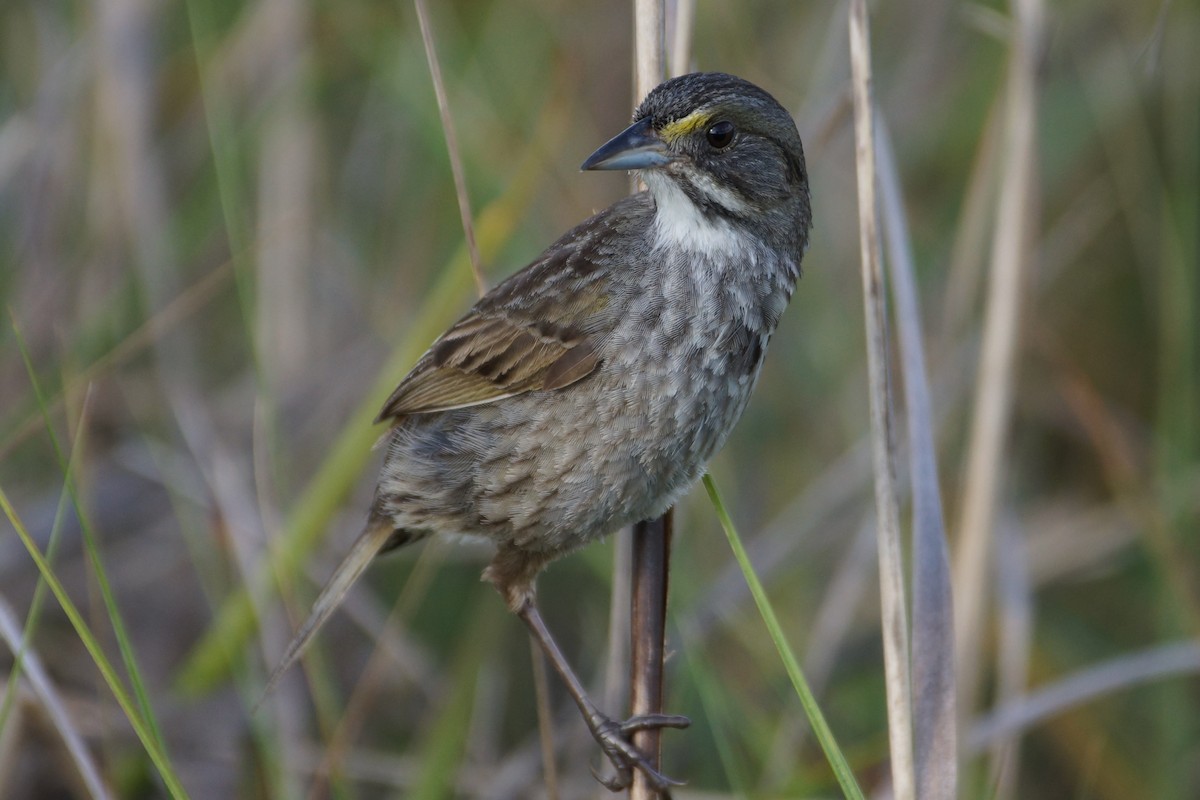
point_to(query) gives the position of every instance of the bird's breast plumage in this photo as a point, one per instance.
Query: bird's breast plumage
(685, 357)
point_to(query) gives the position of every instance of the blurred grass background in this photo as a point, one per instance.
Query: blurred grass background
(227, 226)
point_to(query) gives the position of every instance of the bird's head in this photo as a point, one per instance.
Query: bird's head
(722, 143)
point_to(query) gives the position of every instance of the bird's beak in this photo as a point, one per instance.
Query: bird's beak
(636, 147)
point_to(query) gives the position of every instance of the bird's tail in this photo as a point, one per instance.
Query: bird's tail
(373, 538)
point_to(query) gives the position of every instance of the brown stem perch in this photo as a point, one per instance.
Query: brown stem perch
(648, 614)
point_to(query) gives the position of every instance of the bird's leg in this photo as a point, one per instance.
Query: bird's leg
(512, 572)
(612, 736)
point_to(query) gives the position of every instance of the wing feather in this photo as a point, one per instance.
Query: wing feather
(492, 354)
(490, 363)
(543, 329)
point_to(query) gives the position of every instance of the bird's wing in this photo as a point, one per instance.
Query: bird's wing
(485, 358)
(541, 329)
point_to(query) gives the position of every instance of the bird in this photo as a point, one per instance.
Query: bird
(589, 390)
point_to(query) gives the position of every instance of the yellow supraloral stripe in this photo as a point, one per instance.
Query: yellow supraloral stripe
(682, 127)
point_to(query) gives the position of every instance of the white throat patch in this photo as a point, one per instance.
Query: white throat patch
(679, 224)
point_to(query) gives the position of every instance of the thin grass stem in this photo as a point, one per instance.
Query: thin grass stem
(448, 130)
(833, 753)
(145, 732)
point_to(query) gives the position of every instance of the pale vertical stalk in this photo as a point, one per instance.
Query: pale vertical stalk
(125, 124)
(993, 406)
(283, 316)
(651, 540)
(125, 112)
(126, 115)
(456, 168)
(288, 154)
(891, 570)
(966, 267)
(43, 688)
(934, 717)
(649, 30)
(681, 36)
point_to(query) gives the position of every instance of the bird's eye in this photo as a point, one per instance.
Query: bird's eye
(720, 135)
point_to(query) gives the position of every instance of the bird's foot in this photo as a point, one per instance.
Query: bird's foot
(614, 739)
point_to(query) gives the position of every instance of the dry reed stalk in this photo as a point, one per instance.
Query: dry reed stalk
(127, 114)
(285, 314)
(284, 317)
(993, 407)
(681, 36)
(650, 57)
(230, 476)
(934, 717)
(891, 569)
(965, 271)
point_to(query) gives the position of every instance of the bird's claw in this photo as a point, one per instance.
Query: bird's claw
(617, 783)
(614, 740)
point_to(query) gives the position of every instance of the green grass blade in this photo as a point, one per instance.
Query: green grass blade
(833, 753)
(34, 615)
(124, 645)
(141, 728)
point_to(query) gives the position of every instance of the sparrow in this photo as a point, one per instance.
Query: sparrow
(589, 390)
